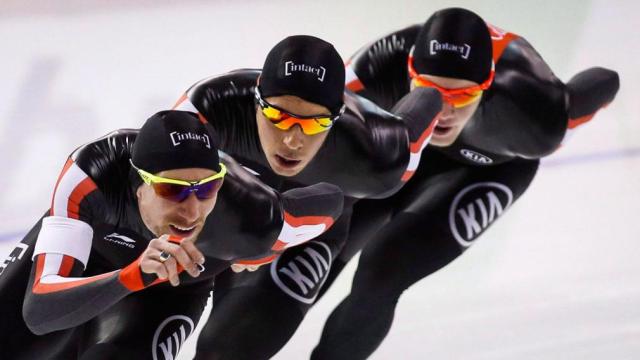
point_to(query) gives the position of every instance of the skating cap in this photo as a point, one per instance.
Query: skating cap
(454, 43)
(306, 67)
(175, 140)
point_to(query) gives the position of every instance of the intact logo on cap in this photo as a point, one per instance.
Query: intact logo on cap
(463, 50)
(290, 67)
(178, 137)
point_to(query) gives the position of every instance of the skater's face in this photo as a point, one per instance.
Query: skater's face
(453, 117)
(184, 218)
(290, 151)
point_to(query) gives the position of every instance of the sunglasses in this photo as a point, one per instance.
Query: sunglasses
(284, 120)
(455, 97)
(178, 190)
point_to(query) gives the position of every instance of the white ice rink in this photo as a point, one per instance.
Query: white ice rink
(558, 277)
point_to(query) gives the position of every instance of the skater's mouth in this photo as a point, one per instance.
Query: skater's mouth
(441, 130)
(287, 162)
(182, 231)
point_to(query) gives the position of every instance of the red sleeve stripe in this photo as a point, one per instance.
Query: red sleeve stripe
(574, 123)
(419, 145)
(500, 40)
(180, 101)
(40, 287)
(66, 265)
(83, 189)
(39, 268)
(351, 79)
(308, 220)
(279, 245)
(184, 104)
(355, 85)
(131, 276)
(297, 230)
(407, 175)
(66, 167)
(72, 188)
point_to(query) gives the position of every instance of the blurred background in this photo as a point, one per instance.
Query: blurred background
(556, 278)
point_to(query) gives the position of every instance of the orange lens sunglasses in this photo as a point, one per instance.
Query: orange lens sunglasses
(458, 98)
(284, 120)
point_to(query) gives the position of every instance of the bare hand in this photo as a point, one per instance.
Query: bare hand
(241, 267)
(184, 255)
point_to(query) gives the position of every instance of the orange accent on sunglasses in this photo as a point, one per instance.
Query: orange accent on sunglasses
(284, 120)
(458, 98)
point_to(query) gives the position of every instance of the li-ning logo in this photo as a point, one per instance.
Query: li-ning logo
(301, 271)
(290, 67)
(463, 50)
(121, 240)
(177, 138)
(475, 208)
(476, 157)
(178, 327)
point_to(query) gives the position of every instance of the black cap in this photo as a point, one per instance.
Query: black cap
(306, 67)
(174, 139)
(454, 43)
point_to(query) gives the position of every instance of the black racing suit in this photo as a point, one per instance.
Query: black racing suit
(459, 190)
(368, 153)
(86, 293)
